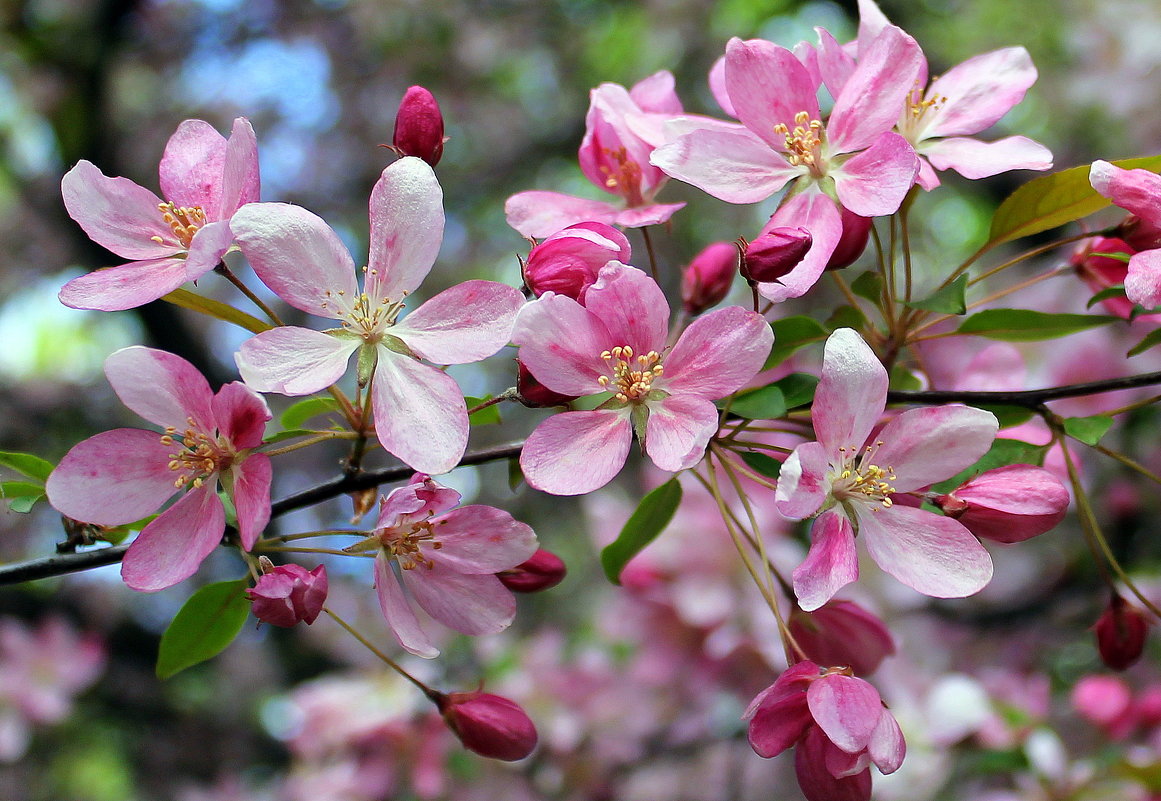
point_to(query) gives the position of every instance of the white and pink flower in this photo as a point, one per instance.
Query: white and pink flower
(1139, 192)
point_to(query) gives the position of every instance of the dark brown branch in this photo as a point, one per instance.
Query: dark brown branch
(1029, 398)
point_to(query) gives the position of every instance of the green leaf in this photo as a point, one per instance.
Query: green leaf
(766, 403)
(1023, 325)
(1002, 453)
(869, 285)
(846, 317)
(26, 465)
(1152, 339)
(790, 334)
(949, 300)
(651, 517)
(21, 496)
(515, 474)
(216, 309)
(797, 388)
(1088, 430)
(1117, 291)
(1052, 200)
(761, 463)
(209, 621)
(291, 434)
(902, 378)
(486, 416)
(1008, 415)
(300, 412)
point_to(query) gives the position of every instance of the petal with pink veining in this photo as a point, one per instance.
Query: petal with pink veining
(719, 353)
(734, 166)
(887, 748)
(632, 307)
(656, 93)
(406, 228)
(846, 709)
(420, 414)
(125, 286)
(161, 387)
(466, 323)
(541, 214)
(1138, 191)
(172, 547)
(851, 393)
(470, 604)
(925, 446)
(241, 415)
(817, 213)
(294, 361)
(768, 86)
(482, 539)
(874, 182)
(873, 97)
(979, 91)
(116, 213)
(678, 429)
(831, 564)
(835, 64)
(561, 344)
(803, 483)
(653, 214)
(972, 158)
(817, 783)
(206, 249)
(397, 610)
(779, 724)
(251, 495)
(240, 179)
(577, 452)
(192, 165)
(1143, 281)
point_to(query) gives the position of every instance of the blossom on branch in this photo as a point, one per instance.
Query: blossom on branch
(1137, 191)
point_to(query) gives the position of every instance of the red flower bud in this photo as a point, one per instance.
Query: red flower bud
(535, 395)
(1138, 234)
(852, 242)
(707, 279)
(1008, 504)
(1120, 633)
(842, 633)
(490, 725)
(569, 261)
(1101, 271)
(544, 570)
(419, 126)
(774, 254)
(288, 594)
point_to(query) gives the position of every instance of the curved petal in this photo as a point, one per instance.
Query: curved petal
(482, 539)
(734, 166)
(717, 86)
(925, 446)
(873, 97)
(561, 344)
(655, 93)
(420, 414)
(113, 478)
(116, 213)
(972, 158)
(1138, 191)
(240, 179)
(653, 214)
(466, 323)
(406, 228)
(576, 452)
(470, 604)
(297, 255)
(874, 183)
(191, 167)
(835, 64)
(717, 354)
(294, 361)
(816, 781)
(978, 92)
(851, 393)
(932, 554)
(831, 564)
(632, 307)
(125, 286)
(803, 483)
(779, 724)
(887, 748)
(542, 214)
(678, 429)
(161, 387)
(818, 214)
(172, 547)
(251, 496)
(846, 709)
(241, 415)
(398, 613)
(1143, 281)
(768, 86)
(206, 249)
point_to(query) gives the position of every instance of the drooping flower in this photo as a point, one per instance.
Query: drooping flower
(1137, 191)
(848, 483)
(621, 129)
(842, 633)
(616, 343)
(419, 410)
(205, 178)
(447, 558)
(121, 476)
(288, 594)
(490, 725)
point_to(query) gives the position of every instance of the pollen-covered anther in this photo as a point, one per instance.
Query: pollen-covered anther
(623, 176)
(406, 546)
(802, 143)
(200, 456)
(184, 221)
(866, 478)
(632, 374)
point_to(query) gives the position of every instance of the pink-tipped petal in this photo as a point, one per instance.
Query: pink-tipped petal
(768, 86)
(116, 213)
(1143, 282)
(576, 452)
(561, 344)
(241, 415)
(717, 86)
(406, 228)
(482, 539)
(819, 215)
(125, 286)
(846, 708)
(161, 387)
(816, 781)
(678, 429)
(980, 91)
(240, 179)
(632, 307)
(778, 724)
(251, 494)
(470, 604)
(1138, 191)
(294, 361)
(873, 97)
(172, 547)
(851, 394)
(656, 93)
(734, 166)
(398, 613)
(887, 748)
(420, 414)
(466, 323)
(875, 182)
(831, 564)
(972, 158)
(925, 446)
(653, 214)
(542, 214)
(191, 167)
(835, 65)
(719, 353)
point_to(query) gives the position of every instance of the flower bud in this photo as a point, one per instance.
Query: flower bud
(419, 126)
(490, 725)
(707, 279)
(535, 395)
(544, 570)
(1008, 504)
(1120, 633)
(1100, 271)
(852, 241)
(287, 594)
(1139, 234)
(774, 254)
(842, 633)
(568, 261)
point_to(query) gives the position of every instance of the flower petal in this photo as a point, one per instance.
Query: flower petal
(874, 182)
(406, 228)
(678, 429)
(398, 613)
(1143, 281)
(293, 361)
(887, 748)
(816, 782)
(206, 249)
(420, 414)
(972, 158)
(251, 496)
(466, 323)
(172, 547)
(768, 86)
(191, 167)
(779, 724)
(873, 97)
(561, 344)
(831, 564)
(240, 179)
(576, 452)
(925, 446)
(482, 539)
(241, 415)
(846, 708)
(734, 166)
(542, 214)
(851, 393)
(653, 214)
(803, 485)
(125, 286)
(470, 604)
(161, 387)
(818, 214)
(719, 353)
(632, 307)
(116, 213)
(979, 91)
(1138, 191)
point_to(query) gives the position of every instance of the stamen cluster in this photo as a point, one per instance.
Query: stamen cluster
(183, 220)
(629, 383)
(201, 457)
(802, 143)
(866, 478)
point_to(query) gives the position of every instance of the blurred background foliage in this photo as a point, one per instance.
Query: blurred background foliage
(109, 80)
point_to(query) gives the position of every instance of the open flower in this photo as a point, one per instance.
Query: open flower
(205, 178)
(848, 483)
(616, 343)
(121, 476)
(419, 410)
(447, 560)
(1138, 191)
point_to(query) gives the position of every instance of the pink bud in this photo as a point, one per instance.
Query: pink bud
(774, 254)
(1100, 271)
(488, 724)
(1105, 701)
(1008, 504)
(568, 261)
(535, 395)
(288, 594)
(707, 279)
(1139, 234)
(852, 242)
(1120, 633)
(419, 126)
(544, 570)
(842, 633)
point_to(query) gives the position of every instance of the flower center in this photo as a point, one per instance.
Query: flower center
(362, 315)
(184, 221)
(403, 544)
(630, 378)
(863, 479)
(804, 143)
(200, 455)
(622, 175)
(916, 110)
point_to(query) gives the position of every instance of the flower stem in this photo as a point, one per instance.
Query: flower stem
(224, 270)
(391, 663)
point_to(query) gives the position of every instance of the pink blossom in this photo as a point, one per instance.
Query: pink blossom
(490, 725)
(621, 129)
(1107, 702)
(121, 476)
(1137, 191)
(419, 410)
(616, 343)
(1102, 262)
(205, 178)
(568, 261)
(288, 594)
(447, 559)
(1009, 504)
(837, 724)
(849, 487)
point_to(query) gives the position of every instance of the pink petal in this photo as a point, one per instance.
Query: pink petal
(932, 554)
(240, 179)
(817, 783)
(421, 495)
(574, 453)
(420, 414)
(846, 708)
(1138, 191)
(678, 429)
(192, 166)
(927, 178)
(161, 387)
(297, 255)
(653, 214)
(817, 213)
(251, 495)
(925, 446)
(851, 393)
(294, 361)
(972, 158)
(887, 748)
(874, 183)
(172, 547)
(113, 478)
(398, 613)
(656, 93)
(125, 286)
(632, 307)
(206, 249)
(778, 725)
(116, 213)
(1143, 282)
(470, 604)
(561, 344)
(717, 86)
(734, 166)
(541, 214)
(980, 91)
(768, 86)
(241, 415)
(873, 98)
(803, 483)
(466, 323)
(831, 564)
(840, 764)
(719, 353)
(482, 539)
(872, 21)
(406, 228)
(835, 65)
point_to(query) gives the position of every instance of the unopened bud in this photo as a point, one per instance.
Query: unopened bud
(535, 395)
(490, 725)
(419, 126)
(1097, 265)
(544, 570)
(852, 241)
(842, 633)
(774, 254)
(568, 261)
(1139, 234)
(707, 279)
(1008, 504)
(288, 594)
(1120, 633)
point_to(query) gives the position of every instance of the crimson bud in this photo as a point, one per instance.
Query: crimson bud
(1009, 504)
(707, 279)
(419, 126)
(542, 571)
(774, 254)
(287, 594)
(852, 242)
(490, 725)
(1120, 633)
